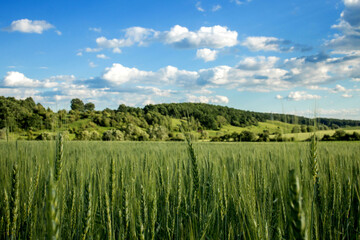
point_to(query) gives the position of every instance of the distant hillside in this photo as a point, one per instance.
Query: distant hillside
(207, 113)
(153, 122)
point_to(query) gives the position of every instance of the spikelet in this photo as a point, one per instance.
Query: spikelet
(33, 187)
(143, 206)
(194, 164)
(153, 217)
(59, 157)
(125, 212)
(53, 231)
(313, 164)
(314, 159)
(7, 213)
(112, 183)
(14, 201)
(87, 210)
(297, 222)
(108, 217)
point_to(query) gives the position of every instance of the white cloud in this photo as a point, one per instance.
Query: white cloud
(346, 95)
(206, 54)
(301, 95)
(29, 26)
(198, 7)
(17, 79)
(95, 29)
(117, 50)
(133, 35)
(156, 91)
(210, 37)
(92, 49)
(272, 44)
(118, 74)
(207, 99)
(92, 65)
(216, 8)
(279, 97)
(339, 88)
(21, 93)
(349, 26)
(355, 79)
(58, 32)
(102, 56)
(238, 2)
(177, 36)
(79, 54)
(261, 43)
(321, 69)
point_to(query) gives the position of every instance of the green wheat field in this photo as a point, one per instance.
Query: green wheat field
(165, 190)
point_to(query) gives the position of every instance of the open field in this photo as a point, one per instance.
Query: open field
(160, 190)
(319, 134)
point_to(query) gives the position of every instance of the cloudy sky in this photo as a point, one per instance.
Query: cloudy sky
(286, 56)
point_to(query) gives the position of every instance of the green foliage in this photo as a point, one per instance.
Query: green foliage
(156, 122)
(341, 135)
(89, 106)
(77, 105)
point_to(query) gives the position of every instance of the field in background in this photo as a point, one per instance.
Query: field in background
(160, 190)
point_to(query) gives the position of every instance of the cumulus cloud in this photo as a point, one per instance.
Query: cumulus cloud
(339, 88)
(133, 35)
(206, 54)
(29, 26)
(119, 74)
(178, 37)
(320, 68)
(90, 50)
(346, 95)
(252, 74)
(156, 91)
(17, 79)
(116, 50)
(301, 95)
(102, 56)
(211, 37)
(272, 44)
(349, 26)
(207, 99)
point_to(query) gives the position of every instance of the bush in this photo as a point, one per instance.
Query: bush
(45, 136)
(113, 135)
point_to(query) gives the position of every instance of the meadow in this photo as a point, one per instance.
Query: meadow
(165, 190)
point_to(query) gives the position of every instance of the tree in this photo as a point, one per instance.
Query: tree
(89, 106)
(77, 105)
(296, 129)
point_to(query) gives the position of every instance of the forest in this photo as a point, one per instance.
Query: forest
(152, 122)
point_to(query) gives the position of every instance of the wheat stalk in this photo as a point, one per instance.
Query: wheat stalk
(297, 220)
(53, 211)
(59, 157)
(87, 210)
(14, 201)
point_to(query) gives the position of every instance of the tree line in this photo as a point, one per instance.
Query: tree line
(152, 122)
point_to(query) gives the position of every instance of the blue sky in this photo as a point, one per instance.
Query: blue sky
(295, 56)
